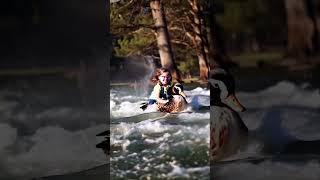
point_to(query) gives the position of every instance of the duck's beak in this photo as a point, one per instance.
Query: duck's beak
(183, 94)
(233, 102)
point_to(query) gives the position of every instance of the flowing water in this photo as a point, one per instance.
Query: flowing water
(45, 131)
(155, 145)
(41, 135)
(283, 139)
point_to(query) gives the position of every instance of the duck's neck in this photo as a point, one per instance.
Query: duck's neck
(216, 102)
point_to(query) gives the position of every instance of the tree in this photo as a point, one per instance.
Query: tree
(313, 7)
(132, 28)
(199, 37)
(141, 30)
(163, 39)
(300, 29)
(219, 57)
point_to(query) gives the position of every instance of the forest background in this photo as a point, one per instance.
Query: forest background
(248, 34)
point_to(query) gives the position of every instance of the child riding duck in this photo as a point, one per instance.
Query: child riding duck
(168, 96)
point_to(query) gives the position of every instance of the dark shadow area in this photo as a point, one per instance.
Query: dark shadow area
(279, 139)
(44, 33)
(253, 79)
(54, 64)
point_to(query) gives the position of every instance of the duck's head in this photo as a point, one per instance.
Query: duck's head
(222, 90)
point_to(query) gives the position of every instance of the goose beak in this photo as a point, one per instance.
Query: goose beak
(183, 94)
(233, 102)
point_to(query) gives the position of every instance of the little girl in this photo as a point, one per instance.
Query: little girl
(164, 89)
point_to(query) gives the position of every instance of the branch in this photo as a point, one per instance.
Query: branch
(137, 31)
(133, 26)
(176, 41)
(175, 28)
(126, 5)
(190, 2)
(187, 34)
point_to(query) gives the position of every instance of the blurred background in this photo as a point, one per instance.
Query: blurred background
(53, 90)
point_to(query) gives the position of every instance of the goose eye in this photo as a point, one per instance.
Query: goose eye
(215, 85)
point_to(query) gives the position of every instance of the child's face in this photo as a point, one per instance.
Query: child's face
(165, 78)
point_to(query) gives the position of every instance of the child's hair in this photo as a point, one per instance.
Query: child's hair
(158, 72)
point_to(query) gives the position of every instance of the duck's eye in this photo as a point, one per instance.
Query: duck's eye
(215, 85)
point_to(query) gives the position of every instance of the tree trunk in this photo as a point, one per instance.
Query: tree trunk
(300, 29)
(314, 12)
(218, 55)
(163, 39)
(198, 38)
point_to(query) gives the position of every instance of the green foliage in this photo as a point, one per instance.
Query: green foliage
(133, 44)
(129, 20)
(242, 22)
(242, 15)
(252, 59)
(263, 20)
(189, 66)
(233, 14)
(130, 25)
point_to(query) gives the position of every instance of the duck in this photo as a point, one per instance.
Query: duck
(227, 130)
(177, 103)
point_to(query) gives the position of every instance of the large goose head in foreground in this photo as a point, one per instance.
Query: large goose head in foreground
(227, 130)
